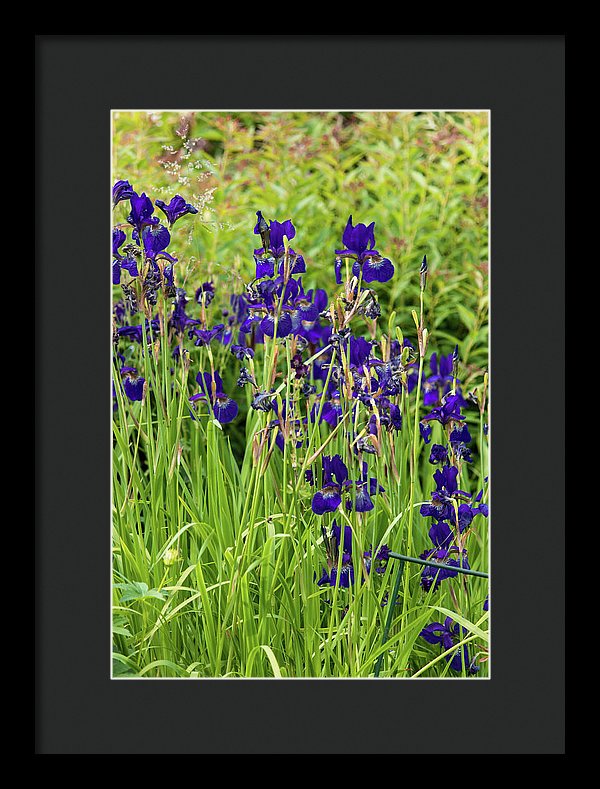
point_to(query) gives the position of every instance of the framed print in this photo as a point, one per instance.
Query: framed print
(287, 447)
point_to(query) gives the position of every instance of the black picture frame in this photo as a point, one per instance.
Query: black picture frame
(79, 709)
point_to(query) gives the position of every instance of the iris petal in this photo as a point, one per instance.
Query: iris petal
(326, 500)
(225, 409)
(375, 270)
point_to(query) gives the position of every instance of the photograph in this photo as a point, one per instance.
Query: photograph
(300, 394)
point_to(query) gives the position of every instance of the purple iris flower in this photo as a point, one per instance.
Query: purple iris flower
(306, 312)
(441, 533)
(444, 497)
(273, 250)
(459, 438)
(449, 411)
(346, 574)
(223, 407)
(284, 325)
(205, 336)
(122, 190)
(447, 485)
(129, 264)
(359, 243)
(133, 384)
(425, 431)
(319, 337)
(265, 267)
(329, 498)
(288, 291)
(277, 230)
(389, 376)
(262, 294)
(395, 417)
(175, 209)
(383, 554)
(297, 264)
(431, 575)
(332, 409)
(360, 350)
(364, 502)
(155, 238)
(336, 532)
(319, 297)
(263, 309)
(439, 454)
(277, 305)
(441, 373)
(229, 332)
(365, 488)
(357, 240)
(136, 332)
(242, 352)
(447, 636)
(141, 212)
(460, 435)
